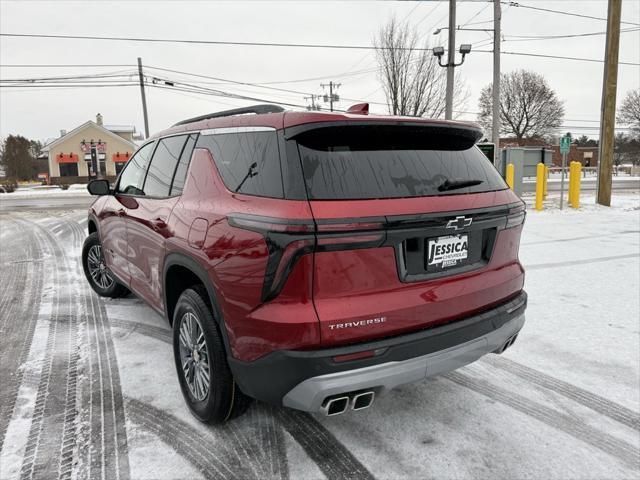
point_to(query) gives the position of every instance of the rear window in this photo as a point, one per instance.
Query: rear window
(367, 162)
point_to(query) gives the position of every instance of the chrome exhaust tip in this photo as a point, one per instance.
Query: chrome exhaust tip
(363, 400)
(335, 406)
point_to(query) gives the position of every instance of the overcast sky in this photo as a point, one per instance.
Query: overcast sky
(40, 113)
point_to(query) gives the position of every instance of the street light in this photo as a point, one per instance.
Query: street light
(465, 49)
(438, 52)
(439, 30)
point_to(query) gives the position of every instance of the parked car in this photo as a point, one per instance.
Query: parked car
(312, 260)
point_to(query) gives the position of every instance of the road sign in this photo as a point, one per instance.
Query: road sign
(565, 146)
(488, 149)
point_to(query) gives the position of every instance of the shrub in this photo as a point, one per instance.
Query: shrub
(8, 186)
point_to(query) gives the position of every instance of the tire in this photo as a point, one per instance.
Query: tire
(101, 280)
(217, 398)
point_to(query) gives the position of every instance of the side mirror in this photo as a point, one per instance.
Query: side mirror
(99, 187)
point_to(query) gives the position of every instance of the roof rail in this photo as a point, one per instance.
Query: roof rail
(257, 109)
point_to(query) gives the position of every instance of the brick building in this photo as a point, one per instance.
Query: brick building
(588, 156)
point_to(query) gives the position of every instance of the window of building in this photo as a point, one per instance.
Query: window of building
(101, 164)
(68, 169)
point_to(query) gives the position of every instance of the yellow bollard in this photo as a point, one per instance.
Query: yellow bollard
(546, 178)
(576, 185)
(572, 179)
(539, 185)
(510, 175)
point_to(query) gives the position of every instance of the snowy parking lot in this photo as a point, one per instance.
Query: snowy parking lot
(88, 387)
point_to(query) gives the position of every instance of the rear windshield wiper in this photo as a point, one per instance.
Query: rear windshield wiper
(455, 184)
(251, 173)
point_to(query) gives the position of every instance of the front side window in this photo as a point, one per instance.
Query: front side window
(163, 166)
(373, 162)
(248, 162)
(132, 178)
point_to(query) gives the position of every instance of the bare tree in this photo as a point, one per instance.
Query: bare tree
(629, 111)
(528, 106)
(413, 82)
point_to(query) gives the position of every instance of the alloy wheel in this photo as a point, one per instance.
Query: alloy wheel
(98, 269)
(194, 356)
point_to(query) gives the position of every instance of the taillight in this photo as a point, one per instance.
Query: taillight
(345, 235)
(516, 216)
(271, 224)
(289, 239)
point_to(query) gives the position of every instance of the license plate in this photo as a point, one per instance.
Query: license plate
(447, 251)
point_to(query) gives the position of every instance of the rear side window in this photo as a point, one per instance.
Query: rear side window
(183, 165)
(367, 162)
(163, 166)
(248, 162)
(132, 177)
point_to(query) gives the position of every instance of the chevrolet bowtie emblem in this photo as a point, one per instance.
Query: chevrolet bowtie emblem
(459, 223)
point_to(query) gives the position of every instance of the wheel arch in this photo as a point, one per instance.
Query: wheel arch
(92, 224)
(189, 273)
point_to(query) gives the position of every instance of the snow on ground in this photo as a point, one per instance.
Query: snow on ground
(563, 402)
(46, 191)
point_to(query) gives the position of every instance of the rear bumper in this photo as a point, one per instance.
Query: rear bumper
(303, 379)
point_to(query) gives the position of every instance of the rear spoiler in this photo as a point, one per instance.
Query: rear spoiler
(431, 135)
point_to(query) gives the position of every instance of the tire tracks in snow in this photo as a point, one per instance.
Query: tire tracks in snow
(100, 436)
(585, 398)
(51, 397)
(56, 441)
(19, 310)
(104, 448)
(605, 442)
(212, 452)
(331, 457)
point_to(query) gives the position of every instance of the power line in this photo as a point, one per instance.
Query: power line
(200, 90)
(204, 42)
(482, 9)
(526, 38)
(88, 85)
(557, 57)
(75, 77)
(560, 12)
(270, 44)
(62, 65)
(253, 84)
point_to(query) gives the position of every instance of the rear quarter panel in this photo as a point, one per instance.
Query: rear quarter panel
(236, 260)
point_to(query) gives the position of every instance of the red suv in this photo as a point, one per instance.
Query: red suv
(312, 260)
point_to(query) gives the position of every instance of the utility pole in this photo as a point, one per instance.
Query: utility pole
(314, 104)
(608, 114)
(332, 97)
(144, 99)
(451, 58)
(495, 114)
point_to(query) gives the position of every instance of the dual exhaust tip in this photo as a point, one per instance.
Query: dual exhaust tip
(340, 404)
